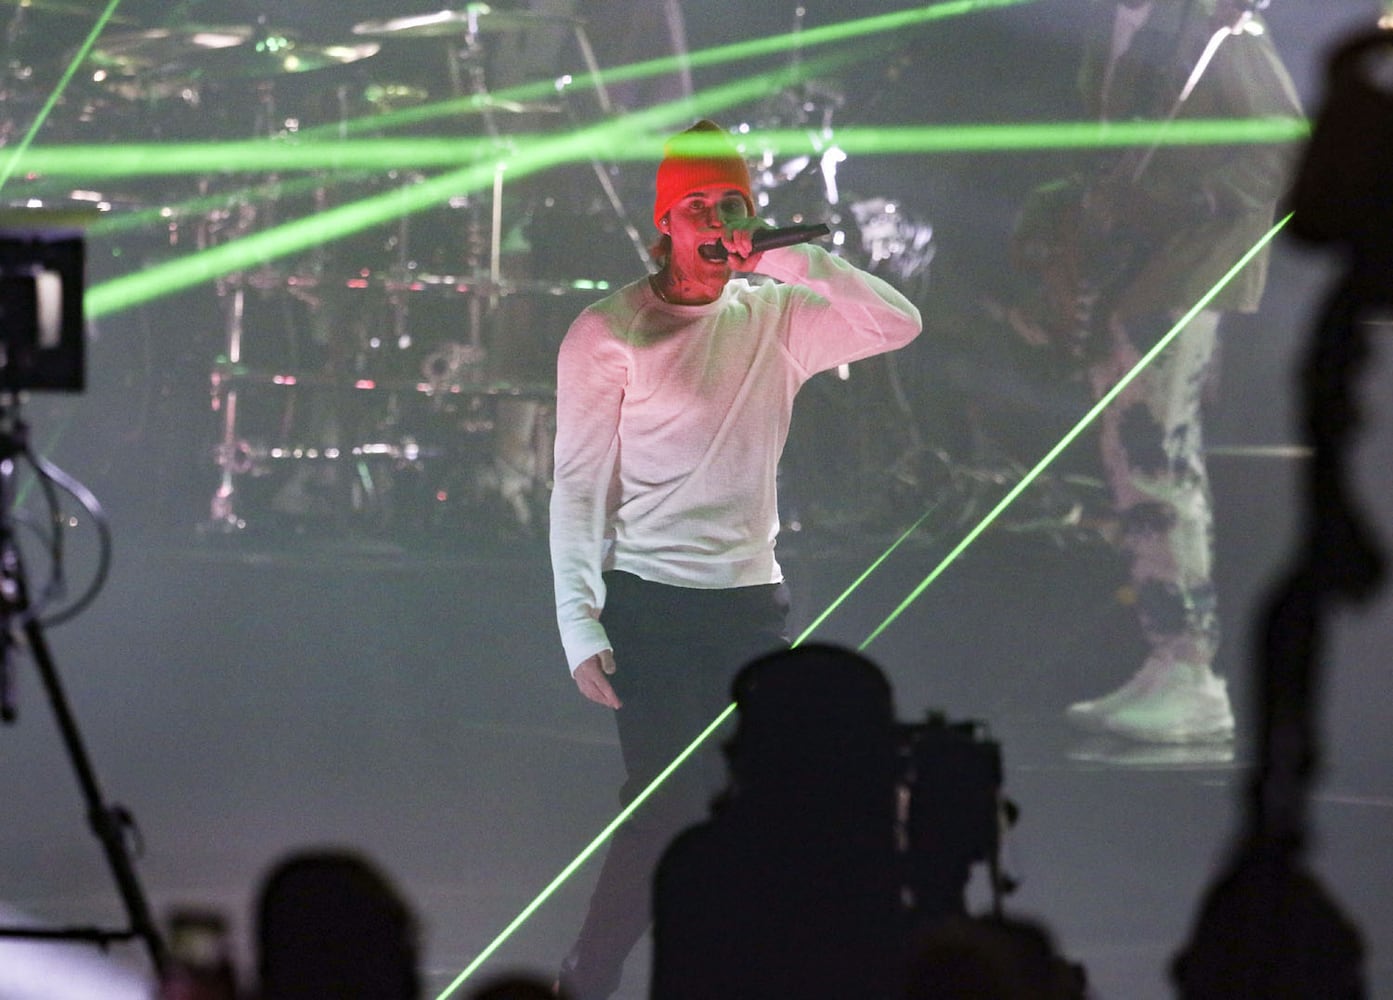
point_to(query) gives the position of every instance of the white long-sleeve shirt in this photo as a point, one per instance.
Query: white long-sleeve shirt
(671, 421)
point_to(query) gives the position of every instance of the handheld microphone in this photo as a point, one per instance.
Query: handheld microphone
(768, 239)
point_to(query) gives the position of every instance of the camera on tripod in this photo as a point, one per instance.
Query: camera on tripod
(41, 347)
(41, 318)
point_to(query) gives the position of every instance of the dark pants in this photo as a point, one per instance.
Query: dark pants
(677, 650)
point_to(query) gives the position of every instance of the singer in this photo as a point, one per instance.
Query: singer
(674, 397)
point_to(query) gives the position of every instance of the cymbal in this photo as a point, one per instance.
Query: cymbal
(477, 283)
(280, 55)
(386, 97)
(35, 214)
(62, 7)
(198, 52)
(475, 18)
(164, 49)
(394, 96)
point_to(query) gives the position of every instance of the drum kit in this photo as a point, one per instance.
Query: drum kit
(394, 380)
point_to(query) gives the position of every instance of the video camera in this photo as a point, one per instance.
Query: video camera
(41, 316)
(951, 812)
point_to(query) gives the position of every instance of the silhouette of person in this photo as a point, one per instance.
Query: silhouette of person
(990, 959)
(329, 923)
(1268, 928)
(791, 888)
(516, 987)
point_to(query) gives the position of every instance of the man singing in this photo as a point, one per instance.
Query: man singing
(674, 397)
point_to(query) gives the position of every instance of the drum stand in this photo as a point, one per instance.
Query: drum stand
(520, 461)
(109, 822)
(233, 455)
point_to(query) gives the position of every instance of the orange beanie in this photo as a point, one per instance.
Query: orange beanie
(705, 163)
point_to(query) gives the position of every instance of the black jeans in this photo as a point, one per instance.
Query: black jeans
(677, 649)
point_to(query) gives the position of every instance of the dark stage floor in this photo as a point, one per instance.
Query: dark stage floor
(249, 699)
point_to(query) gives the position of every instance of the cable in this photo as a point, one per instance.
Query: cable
(50, 475)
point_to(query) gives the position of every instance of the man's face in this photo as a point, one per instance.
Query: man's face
(699, 218)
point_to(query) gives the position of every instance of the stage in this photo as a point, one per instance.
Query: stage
(246, 699)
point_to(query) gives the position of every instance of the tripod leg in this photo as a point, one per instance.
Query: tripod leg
(108, 822)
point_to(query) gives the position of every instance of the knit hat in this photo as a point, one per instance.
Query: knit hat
(702, 156)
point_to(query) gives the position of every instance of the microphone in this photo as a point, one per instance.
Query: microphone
(768, 239)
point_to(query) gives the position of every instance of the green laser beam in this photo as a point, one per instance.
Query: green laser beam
(252, 156)
(529, 158)
(114, 223)
(78, 59)
(1072, 434)
(261, 248)
(119, 161)
(855, 584)
(1025, 137)
(7, 170)
(586, 854)
(57, 161)
(264, 247)
(793, 41)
